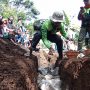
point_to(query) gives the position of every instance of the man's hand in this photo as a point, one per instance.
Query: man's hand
(82, 10)
(69, 39)
(51, 51)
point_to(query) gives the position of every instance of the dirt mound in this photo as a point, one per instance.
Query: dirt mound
(16, 71)
(75, 73)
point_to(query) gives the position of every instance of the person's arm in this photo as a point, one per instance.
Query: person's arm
(81, 13)
(62, 31)
(44, 36)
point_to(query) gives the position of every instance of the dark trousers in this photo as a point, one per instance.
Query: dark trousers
(51, 37)
(82, 35)
(86, 41)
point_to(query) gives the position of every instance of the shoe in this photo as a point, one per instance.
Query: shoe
(33, 49)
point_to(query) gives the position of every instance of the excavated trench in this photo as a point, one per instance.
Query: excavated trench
(72, 74)
(75, 73)
(18, 72)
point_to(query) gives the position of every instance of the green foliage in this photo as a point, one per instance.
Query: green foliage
(67, 21)
(6, 2)
(17, 2)
(7, 11)
(22, 15)
(28, 4)
(30, 28)
(35, 11)
(76, 36)
(1, 8)
(29, 7)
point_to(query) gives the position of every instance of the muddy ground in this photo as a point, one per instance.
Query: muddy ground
(75, 73)
(17, 72)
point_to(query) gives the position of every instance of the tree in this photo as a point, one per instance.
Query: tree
(67, 20)
(6, 2)
(6, 11)
(27, 6)
(21, 14)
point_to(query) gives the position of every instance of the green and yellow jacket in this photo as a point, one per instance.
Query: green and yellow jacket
(85, 17)
(47, 26)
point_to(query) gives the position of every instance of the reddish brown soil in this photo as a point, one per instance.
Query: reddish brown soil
(17, 72)
(76, 73)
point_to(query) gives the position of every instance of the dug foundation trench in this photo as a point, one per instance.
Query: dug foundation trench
(19, 72)
(74, 73)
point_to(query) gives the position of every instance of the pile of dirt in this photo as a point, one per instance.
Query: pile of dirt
(75, 73)
(17, 72)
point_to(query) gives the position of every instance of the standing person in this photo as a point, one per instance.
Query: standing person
(11, 27)
(48, 34)
(10, 23)
(84, 16)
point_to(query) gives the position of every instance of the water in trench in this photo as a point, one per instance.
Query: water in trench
(48, 79)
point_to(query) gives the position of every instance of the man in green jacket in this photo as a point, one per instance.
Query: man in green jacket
(48, 33)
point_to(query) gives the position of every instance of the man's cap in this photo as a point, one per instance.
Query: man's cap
(57, 17)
